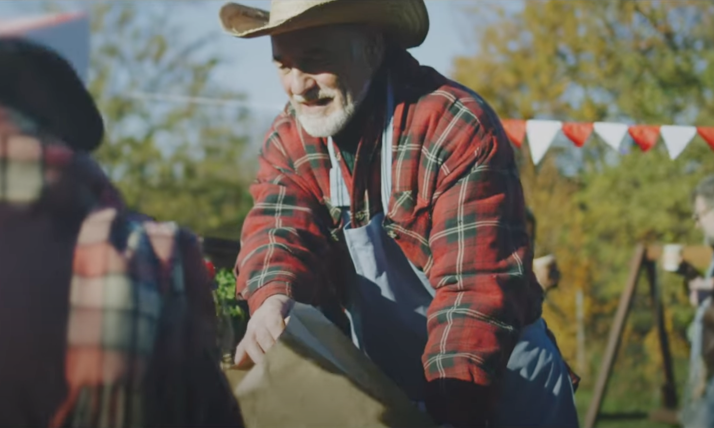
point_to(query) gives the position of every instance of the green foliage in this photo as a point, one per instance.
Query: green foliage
(621, 60)
(225, 296)
(177, 161)
(232, 318)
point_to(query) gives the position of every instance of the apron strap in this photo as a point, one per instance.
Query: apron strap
(339, 194)
(387, 137)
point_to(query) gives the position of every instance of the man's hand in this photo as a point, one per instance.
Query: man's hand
(264, 328)
(696, 288)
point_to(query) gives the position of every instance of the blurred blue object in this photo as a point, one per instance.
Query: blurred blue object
(68, 34)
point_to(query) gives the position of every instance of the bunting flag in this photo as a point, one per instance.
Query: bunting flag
(644, 136)
(677, 138)
(611, 133)
(541, 134)
(516, 131)
(67, 34)
(707, 135)
(578, 133)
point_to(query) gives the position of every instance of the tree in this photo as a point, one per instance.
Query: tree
(622, 60)
(178, 162)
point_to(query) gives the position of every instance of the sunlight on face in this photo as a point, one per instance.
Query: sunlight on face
(325, 72)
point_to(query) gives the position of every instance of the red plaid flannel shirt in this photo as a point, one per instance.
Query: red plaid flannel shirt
(457, 211)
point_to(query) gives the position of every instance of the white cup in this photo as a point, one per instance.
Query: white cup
(672, 257)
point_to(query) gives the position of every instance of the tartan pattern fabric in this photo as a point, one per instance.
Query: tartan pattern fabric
(139, 293)
(457, 211)
(27, 166)
(31, 162)
(116, 301)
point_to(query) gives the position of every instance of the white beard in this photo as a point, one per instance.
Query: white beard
(323, 127)
(328, 126)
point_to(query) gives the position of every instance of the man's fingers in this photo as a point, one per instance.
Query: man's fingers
(265, 340)
(248, 352)
(256, 354)
(241, 358)
(276, 327)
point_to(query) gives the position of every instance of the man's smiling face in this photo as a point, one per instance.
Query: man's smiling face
(325, 72)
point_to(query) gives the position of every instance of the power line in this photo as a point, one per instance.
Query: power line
(207, 101)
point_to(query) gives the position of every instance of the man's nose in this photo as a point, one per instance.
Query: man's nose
(300, 83)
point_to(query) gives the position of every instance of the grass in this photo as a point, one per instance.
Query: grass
(631, 396)
(617, 413)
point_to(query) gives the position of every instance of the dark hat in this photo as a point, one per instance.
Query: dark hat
(42, 85)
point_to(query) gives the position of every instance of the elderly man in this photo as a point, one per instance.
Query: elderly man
(699, 407)
(101, 311)
(390, 192)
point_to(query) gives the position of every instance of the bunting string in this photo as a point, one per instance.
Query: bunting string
(542, 133)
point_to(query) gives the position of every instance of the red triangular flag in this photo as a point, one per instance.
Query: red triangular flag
(644, 135)
(707, 134)
(578, 133)
(516, 130)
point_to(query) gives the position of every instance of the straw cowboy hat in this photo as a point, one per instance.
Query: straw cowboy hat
(405, 22)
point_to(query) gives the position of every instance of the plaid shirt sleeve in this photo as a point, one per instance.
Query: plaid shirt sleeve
(285, 235)
(480, 261)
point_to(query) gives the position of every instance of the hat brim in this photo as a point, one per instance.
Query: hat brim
(405, 22)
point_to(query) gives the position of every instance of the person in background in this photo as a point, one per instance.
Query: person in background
(106, 317)
(698, 411)
(391, 193)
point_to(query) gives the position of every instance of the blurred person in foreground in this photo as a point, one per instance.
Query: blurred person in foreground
(388, 194)
(106, 318)
(698, 410)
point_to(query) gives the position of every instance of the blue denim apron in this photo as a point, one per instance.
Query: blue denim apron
(387, 312)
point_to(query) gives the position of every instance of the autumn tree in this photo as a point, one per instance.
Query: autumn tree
(176, 161)
(616, 60)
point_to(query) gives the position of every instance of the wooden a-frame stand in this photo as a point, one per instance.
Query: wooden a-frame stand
(644, 259)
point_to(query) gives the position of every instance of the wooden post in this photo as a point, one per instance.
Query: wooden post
(580, 320)
(669, 392)
(644, 258)
(613, 342)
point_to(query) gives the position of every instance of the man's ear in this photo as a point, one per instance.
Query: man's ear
(374, 48)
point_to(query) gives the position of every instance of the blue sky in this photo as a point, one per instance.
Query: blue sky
(253, 57)
(250, 70)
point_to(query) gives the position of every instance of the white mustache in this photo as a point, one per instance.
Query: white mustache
(310, 99)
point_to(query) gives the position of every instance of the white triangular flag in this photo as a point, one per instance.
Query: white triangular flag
(611, 133)
(676, 138)
(541, 134)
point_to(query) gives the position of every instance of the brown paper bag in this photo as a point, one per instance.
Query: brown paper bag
(315, 377)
